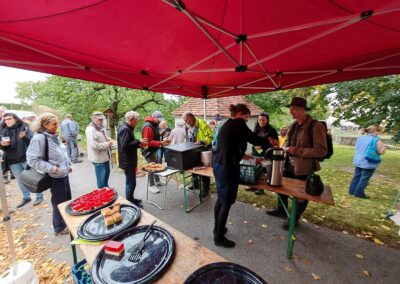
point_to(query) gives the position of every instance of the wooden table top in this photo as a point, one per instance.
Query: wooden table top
(189, 254)
(290, 187)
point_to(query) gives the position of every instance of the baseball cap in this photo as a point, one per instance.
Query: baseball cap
(98, 114)
(158, 114)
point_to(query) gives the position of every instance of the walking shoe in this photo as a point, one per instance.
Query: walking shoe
(160, 183)
(204, 193)
(63, 232)
(285, 224)
(6, 180)
(23, 202)
(37, 201)
(362, 196)
(223, 242)
(77, 161)
(154, 189)
(277, 212)
(138, 203)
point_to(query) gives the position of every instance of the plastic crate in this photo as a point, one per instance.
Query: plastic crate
(249, 174)
(80, 275)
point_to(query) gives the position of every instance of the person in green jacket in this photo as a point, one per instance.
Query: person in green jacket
(199, 132)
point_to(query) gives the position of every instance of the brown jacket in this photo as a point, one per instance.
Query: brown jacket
(309, 153)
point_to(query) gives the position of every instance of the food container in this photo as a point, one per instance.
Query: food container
(183, 156)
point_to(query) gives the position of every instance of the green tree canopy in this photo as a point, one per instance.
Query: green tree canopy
(81, 98)
(371, 101)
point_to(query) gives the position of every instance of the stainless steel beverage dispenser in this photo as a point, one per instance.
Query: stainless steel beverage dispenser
(275, 170)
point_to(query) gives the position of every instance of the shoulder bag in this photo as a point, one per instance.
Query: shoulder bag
(371, 155)
(34, 180)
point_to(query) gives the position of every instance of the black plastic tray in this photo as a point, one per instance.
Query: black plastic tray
(94, 228)
(157, 255)
(224, 272)
(69, 210)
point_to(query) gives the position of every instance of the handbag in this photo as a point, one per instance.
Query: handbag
(34, 180)
(371, 155)
(314, 185)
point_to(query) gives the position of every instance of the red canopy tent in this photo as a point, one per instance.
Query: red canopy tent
(203, 48)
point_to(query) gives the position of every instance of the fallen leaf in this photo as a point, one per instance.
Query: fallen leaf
(360, 256)
(315, 276)
(366, 273)
(378, 242)
(245, 222)
(288, 269)
(229, 223)
(264, 226)
(254, 204)
(385, 227)
(263, 207)
(293, 238)
(345, 232)
(304, 220)
(251, 242)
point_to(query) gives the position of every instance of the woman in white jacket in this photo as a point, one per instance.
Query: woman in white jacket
(58, 165)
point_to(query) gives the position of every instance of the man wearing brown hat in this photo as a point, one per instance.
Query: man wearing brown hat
(304, 152)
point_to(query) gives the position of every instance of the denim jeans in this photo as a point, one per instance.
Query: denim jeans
(130, 183)
(102, 173)
(60, 192)
(72, 149)
(152, 177)
(17, 170)
(360, 181)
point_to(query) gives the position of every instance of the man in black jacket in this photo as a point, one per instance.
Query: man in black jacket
(127, 154)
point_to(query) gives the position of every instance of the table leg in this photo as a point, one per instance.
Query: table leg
(73, 248)
(292, 221)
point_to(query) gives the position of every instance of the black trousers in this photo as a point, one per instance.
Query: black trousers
(301, 204)
(60, 192)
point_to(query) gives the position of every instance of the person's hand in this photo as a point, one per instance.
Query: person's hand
(69, 170)
(110, 143)
(292, 150)
(257, 147)
(166, 142)
(5, 143)
(22, 134)
(57, 171)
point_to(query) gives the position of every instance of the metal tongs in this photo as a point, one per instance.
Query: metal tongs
(137, 250)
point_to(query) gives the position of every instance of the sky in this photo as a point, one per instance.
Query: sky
(8, 79)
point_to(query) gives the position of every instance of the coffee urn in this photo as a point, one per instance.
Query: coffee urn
(275, 171)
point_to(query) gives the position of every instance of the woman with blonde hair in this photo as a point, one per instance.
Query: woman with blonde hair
(58, 165)
(364, 166)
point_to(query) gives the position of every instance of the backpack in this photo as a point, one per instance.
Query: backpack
(329, 141)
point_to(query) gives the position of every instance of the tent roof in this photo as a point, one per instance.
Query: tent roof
(203, 48)
(215, 106)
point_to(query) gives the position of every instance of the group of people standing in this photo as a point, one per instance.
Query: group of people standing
(228, 142)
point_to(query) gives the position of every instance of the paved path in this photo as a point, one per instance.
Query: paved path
(327, 254)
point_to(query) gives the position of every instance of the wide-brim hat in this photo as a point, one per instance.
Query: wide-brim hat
(299, 102)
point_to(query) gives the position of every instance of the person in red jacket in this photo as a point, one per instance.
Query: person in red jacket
(151, 131)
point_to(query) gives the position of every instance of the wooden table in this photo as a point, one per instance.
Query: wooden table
(189, 254)
(293, 188)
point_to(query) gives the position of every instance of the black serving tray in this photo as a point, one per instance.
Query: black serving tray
(69, 210)
(223, 273)
(157, 255)
(94, 228)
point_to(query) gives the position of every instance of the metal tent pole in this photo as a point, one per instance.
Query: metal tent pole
(6, 220)
(204, 110)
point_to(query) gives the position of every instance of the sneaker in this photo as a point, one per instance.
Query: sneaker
(6, 180)
(277, 212)
(37, 201)
(224, 242)
(63, 232)
(204, 193)
(285, 224)
(23, 202)
(154, 189)
(160, 183)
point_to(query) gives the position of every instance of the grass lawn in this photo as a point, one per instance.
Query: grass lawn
(364, 218)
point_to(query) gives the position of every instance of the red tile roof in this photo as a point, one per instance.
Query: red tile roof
(215, 106)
